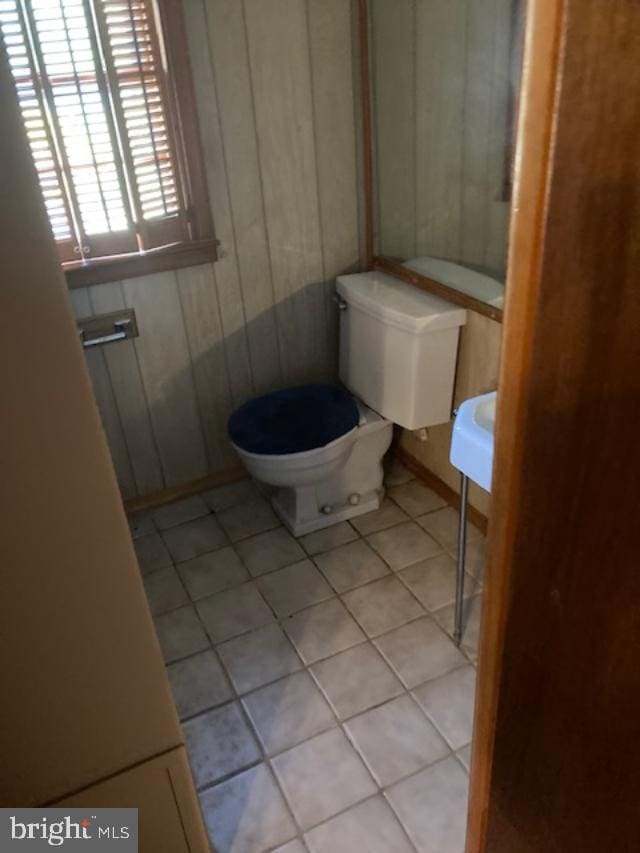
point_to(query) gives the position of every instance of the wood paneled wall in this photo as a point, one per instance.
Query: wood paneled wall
(477, 373)
(275, 94)
(440, 73)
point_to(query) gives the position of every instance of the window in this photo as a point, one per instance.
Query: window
(110, 117)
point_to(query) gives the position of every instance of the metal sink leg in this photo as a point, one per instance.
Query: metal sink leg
(462, 547)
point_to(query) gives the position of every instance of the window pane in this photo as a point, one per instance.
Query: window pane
(130, 32)
(70, 66)
(35, 120)
(93, 92)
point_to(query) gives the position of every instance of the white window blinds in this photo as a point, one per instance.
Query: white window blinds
(91, 84)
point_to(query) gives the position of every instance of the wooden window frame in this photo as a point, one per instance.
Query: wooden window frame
(201, 247)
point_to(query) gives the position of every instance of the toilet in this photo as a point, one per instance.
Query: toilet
(317, 450)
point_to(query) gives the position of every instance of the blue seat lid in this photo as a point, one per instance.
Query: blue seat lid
(293, 420)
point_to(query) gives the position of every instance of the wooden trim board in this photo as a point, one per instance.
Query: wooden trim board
(533, 144)
(367, 133)
(232, 475)
(185, 490)
(422, 282)
(555, 764)
(108, 270)
(477, 518)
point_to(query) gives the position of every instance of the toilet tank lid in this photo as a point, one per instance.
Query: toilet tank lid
(400, 304)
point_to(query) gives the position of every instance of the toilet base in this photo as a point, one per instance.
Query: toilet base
(352, 489)
(297, 527)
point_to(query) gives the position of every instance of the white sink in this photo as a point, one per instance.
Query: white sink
(472, 439)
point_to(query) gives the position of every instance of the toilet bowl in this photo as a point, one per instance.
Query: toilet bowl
(299, 469)
(317, 450)
(313, 487)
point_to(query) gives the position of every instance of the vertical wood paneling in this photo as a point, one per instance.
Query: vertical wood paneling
(274, 89)
(393, 24)
(477, 373)
(228, 78)
(122, 365)
(440, 87)
(497, 208)
(226, 269)
(441, 83)
(476, 194)
(167, 375)
(106, 402)
(208, 358)
(334, 123)
(281, 80)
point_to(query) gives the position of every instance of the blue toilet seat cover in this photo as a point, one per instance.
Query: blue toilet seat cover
(293, 420)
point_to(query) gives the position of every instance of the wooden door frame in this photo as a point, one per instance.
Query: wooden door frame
(535, 131)
(555, 762)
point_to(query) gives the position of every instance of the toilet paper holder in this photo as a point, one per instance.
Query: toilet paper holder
(108, 328)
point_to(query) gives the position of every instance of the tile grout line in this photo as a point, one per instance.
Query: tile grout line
(256, 577)
(281, 623)
(210, 511)
(281, 620)
(339, 723)
(239, 696)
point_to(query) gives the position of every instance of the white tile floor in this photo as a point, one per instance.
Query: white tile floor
(324, 706)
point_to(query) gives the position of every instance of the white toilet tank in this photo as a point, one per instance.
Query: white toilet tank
(398, 348)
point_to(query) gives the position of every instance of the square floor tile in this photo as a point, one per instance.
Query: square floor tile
(382, 605)
(212, 572)
(475, 557)
(395, 473)
(259, 657)
(443, 526)
(323, 630)
(198, 683)
(231, 494)
(269, 551)
(420, 651)
(471, 615)
(152, 553)
(356, 679)
(164, 591)
(351, 565)
(180, 633)
(369, 827)
(448, 701)
(247, 813)
(248, 518)
(395, 740)
(295, 846)
(141, 523)
(432, 806)
(288, 711)
(404, 544)
(386, 516)
(219, 743)
(464, 755)
(234, 611)
(289, 590)
(328, 538)
(432, 581)
(322, 776)
(178, 512)
(194, 538)
(415, 498)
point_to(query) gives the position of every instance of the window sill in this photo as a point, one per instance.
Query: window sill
(131, 266)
